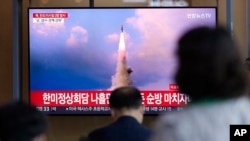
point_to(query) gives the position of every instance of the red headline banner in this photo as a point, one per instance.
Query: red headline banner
(50, 15)
(100, 98)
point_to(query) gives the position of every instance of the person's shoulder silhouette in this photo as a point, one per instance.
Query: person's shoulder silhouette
(20, 121)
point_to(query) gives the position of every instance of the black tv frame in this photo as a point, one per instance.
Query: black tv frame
(98, 113)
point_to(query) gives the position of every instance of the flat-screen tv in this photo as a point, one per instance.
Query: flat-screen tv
(77, 56)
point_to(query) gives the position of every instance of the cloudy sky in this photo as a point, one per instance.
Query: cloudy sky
(80, 53)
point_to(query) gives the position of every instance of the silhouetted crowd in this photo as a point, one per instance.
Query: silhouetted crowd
(210, 71)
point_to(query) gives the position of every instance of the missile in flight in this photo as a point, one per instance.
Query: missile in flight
(122, 28)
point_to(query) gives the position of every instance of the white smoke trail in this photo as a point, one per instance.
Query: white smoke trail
(121, 77)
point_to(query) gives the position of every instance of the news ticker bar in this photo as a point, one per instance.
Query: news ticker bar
(98, 110)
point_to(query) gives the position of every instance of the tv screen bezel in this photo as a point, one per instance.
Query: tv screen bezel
(65, 8)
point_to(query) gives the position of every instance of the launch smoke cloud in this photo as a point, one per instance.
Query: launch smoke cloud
(121, 77)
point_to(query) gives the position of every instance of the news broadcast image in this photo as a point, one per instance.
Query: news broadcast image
(77, 56)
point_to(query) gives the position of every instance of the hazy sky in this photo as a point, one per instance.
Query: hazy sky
(80, 53)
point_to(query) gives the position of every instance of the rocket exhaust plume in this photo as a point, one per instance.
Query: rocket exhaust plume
(121, 77)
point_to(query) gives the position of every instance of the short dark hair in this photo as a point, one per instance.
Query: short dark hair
(21, 122)
(209, 64)
(125, 97)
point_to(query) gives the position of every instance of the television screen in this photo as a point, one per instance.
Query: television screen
(77, 56)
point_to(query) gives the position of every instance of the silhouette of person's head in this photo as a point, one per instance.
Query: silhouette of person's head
(247, 63)
(22, 122)
(209, 64)
(126, 101)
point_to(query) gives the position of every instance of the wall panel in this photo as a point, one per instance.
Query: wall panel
(66, 128)
(6, 51)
